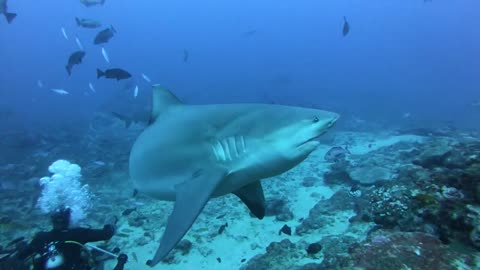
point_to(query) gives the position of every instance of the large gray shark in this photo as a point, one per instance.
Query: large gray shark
(191, 153)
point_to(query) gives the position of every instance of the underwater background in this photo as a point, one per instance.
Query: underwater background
(399, 174)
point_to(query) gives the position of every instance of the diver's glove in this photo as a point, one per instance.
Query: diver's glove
(109, 230)
(121, 261)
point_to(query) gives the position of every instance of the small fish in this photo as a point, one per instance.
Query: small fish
(99, 163)
(135, 91)
(105, 35)
(249, 33)
(79, 44)
(40, 84)
(222, 228)
(4, 10)
(114, 73)
(87, 23)
(146, 78)
(64, 33)
(74, 59)
(91, 87)
(105, 55)
(89, 3)
(286, 230)
(60, 91)
(134, 256)
(346, 26)
(185, 55)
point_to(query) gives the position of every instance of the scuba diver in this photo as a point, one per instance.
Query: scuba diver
(64, 248)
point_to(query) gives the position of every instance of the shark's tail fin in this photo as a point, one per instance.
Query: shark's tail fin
(10, 17)
(100, 73)
(79, 23)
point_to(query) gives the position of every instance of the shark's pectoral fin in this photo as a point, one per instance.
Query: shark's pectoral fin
(191, 197)
(252, 196)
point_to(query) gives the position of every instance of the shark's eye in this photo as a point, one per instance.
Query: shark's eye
(315, 119)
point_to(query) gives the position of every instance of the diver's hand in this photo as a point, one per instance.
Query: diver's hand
(121, 260)
(109, 230)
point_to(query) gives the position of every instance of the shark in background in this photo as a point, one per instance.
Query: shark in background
(191, 153)
(4, 10)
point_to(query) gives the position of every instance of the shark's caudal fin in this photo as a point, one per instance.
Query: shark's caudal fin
(100, 73)
(10, 17)
(191, 197)
(79, 23)
(162, 100)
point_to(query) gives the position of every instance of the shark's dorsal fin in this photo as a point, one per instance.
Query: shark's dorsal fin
(162, 100)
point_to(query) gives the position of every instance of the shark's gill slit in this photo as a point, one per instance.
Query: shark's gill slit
(244, 147)
(233, 146)
(221, 153)
(215, 151)
(227, 151)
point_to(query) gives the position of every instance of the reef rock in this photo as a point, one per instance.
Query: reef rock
(279, 256)
(370, 175)
(400, 250)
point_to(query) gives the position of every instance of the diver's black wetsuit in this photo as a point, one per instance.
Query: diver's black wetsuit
(67, 244)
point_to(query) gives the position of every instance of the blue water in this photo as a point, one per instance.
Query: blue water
(400, 57)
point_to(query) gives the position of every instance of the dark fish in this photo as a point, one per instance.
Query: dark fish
(185, 56)
(128, 211)
(114, 73)
(74, 59)
(87, 23)
(249, 33)
(89, 3)
(4, 10)
(286, 230)
(105, 35)
(222, 228)
(346, 26)
(336, 153)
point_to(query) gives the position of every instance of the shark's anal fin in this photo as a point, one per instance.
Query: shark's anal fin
(252, 196)
(191, 197)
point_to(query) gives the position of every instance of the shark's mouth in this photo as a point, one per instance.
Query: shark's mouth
(323, 131)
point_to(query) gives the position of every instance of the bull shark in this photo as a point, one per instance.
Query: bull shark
(4, 10)
(191, 153)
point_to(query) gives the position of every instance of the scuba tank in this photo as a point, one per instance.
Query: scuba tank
(54, 258)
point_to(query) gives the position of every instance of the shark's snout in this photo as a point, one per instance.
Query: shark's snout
(333, 120)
